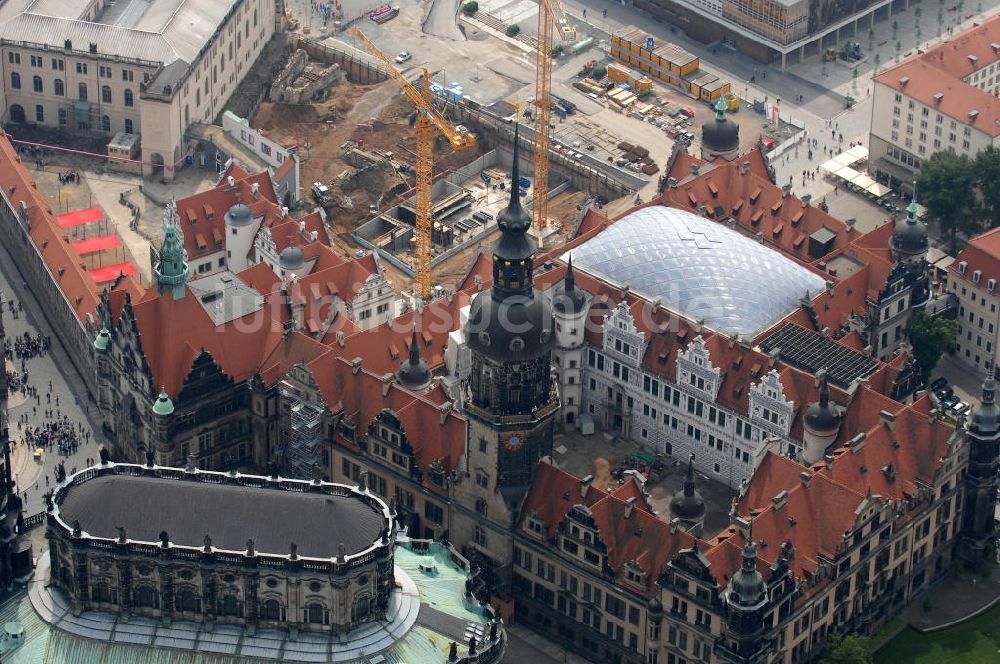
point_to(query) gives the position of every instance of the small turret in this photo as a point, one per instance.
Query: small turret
(103, 340)
(720, 137)
(821, 424)
(571, 300)
(171, 270)
(413, 372)
(687, 505)
(163, 406)
(909, 237)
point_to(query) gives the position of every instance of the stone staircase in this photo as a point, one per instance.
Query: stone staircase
(491, 21)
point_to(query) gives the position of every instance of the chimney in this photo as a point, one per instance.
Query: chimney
(231, 181)
(759, 237)
(772, 357)
(673, 526)
(585, 485)
(785, 190)
(479, 283)
(355, 366)
(828, 460)
(629, 506)
(743, 526)
(857, 443)
(889, 419)
(806, 478)
(780, 500)
(302, 226)
(745, 167)
(850, 224)
(672, 182)
(255, 190)
(314, 235)
(340, 338)
(829, 287)
(694, 169)
(806, 200)
(284, 212)
(702, 210)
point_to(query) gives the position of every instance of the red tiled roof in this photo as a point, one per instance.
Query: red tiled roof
(941, 70)
(982, 254)
(63, 262)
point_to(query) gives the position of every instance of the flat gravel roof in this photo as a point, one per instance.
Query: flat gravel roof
(230, 514)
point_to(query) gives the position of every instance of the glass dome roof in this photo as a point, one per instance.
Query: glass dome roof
(699, 269)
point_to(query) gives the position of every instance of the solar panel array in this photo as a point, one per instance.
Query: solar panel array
(812, 351)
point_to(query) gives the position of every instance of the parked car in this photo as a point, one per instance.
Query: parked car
(938, 383)
(950, 402)
(403, 57)
(960, 408)
(944, 393)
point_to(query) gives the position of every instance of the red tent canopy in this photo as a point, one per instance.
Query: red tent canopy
(111, 272)
(99, 243)
(78, 217)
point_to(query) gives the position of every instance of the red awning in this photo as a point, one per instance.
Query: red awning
(111, 272)
(80, 217)
(99, 243)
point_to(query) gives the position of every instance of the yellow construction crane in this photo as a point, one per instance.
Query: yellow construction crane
(427, 118)
(548, 20)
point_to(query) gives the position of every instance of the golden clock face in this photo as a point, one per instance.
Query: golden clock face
(513, 441)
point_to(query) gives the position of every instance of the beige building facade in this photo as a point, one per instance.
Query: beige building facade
(101, 72)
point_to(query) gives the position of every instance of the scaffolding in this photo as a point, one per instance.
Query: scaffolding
(305, 435)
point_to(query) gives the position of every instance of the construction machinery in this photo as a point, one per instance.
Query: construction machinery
(425, 119)
(549, 19)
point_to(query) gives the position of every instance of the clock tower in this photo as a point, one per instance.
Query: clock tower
(509, 397)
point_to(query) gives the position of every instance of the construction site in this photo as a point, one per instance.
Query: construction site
(358, 146)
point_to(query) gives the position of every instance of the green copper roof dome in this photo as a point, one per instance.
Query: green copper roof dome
(102, 340)
(163, 406)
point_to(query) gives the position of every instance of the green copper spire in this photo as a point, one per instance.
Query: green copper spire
(163, 406)
(102, 340)
(911, 212)
(720, 110)
(171, 271)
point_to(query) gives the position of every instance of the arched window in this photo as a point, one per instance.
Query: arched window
(230, 606)
(146, 597)
(36, 83)
(271, 610)
(101, 592)
(128, 126)
(106, 94)
(82, 89)
(105, 123)
(187, 601)
(315, 614)
(15, 80)
(60, 87)
(362, 606)
(129, 99)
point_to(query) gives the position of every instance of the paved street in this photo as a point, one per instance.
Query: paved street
(28, 473)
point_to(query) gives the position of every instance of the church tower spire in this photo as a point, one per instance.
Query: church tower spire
(983, 435)
(510, 400)
(171, 270)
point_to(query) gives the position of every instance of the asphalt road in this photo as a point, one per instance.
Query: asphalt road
(441, 20)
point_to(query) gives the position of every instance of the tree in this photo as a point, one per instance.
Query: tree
(513, 30)
(988, 178)
(849, 649)
(930, 337)
(470, 7)
(598, 72)
(947, 189)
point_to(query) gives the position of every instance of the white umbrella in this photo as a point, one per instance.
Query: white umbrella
(862, 181)
(831, 166)
(877, 189)
(847, 173)
(846, 159)
(859, 152)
